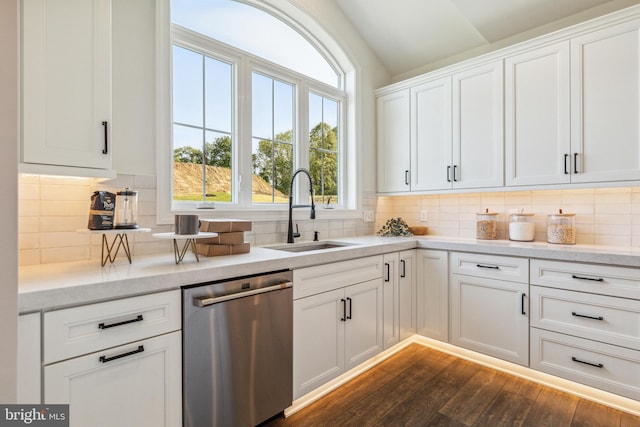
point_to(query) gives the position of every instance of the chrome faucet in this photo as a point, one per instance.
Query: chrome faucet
(291, 234)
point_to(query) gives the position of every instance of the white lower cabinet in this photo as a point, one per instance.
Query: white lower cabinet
(29, 363)
(488, 315)
(335, 330)
(391, 301)
(116, 363)
(407, 291)
(137, 384)
(432, 294)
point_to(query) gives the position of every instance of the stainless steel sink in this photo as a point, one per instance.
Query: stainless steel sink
(310, 246)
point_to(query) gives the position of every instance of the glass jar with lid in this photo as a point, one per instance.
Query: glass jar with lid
(521, 227)
(487, 225)
(561, 228)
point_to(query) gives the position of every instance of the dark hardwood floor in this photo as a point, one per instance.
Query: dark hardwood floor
(420, 386)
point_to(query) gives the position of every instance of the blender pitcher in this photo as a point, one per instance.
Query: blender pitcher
(126, 209)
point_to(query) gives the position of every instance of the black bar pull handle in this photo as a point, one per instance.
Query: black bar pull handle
(597, 365)
(344, 310)
(139, 318)
(404, 268)
(455, 167)
(493, 267)
(406, 177)
(575, 162)
(522, 310)
(566, 172)
(105, 359)
(593, 279)
(449, 173)
(105, 125)
(573, 313)
(388, 267)
(350, 308)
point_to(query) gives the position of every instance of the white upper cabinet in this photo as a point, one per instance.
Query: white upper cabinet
(605, 102)
(393, 142)
(431, 135)
(537, 127)
(66, 83)
(478, 107)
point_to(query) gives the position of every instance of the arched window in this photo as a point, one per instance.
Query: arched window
(253, 94)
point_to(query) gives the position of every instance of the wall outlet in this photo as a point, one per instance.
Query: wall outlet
(424, 217)
(367, 216)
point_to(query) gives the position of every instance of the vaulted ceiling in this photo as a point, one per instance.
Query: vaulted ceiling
(412, 35)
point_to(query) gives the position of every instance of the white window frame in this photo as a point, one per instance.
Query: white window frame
(349, 203)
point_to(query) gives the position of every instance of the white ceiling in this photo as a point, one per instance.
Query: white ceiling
(409, 35)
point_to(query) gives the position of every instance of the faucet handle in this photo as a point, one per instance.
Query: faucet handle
(297, 233)
(315, 236)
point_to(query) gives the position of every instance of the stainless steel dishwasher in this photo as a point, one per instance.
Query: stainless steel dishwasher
(237, 350)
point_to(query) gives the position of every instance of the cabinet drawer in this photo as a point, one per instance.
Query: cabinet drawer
(601, 318)
(327, 277)
(80, 330)
(599, 365)
(599, 279)
(490, 266)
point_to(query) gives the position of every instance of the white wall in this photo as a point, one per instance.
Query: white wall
(9, 192)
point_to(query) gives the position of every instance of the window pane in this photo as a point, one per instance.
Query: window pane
(262, 103)
(218, 178)
(283, 110)
(272, 169)
(218, 94)
(187, 163)
(323, 148)
(187, 86)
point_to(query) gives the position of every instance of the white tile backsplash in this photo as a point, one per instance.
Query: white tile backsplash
(52, 209)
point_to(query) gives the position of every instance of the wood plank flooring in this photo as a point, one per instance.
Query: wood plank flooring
(420, 386)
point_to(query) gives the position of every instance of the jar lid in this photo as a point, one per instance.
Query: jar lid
(523, 214)
(486, 212)
(126, 192)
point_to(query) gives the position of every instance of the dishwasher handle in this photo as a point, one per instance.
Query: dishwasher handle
(207, 301)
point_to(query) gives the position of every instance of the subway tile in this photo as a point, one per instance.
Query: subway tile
(28, 257)
(64, 254)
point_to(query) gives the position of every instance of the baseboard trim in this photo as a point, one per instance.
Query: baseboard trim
(580, 390)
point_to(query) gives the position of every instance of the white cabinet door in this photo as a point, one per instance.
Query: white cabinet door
(431, 135)
(363, 325)
(29, 359)
(66, 81)
(605, 100)
(432, 294)
(407, 294)
(137, 384)
(537, 117)
(490, 316)
(393, 123)
(391, 300)
(478, 106)
(318, 336)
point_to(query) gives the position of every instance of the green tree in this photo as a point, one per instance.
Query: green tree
(273, 161)
(187, 155)
(218, 152)
(323, 159)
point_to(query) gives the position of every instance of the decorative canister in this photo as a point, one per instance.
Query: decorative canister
(521, 227)
(561, 228)
(486, 225)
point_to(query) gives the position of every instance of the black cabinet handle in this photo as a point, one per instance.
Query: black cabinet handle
(566, 172)
(493, 267)
(597, 365)
(125, 322)
(105, 125)
(388, 267)
(406, 177)
(575, 162)
(404, 268)
(522, 310)
(454, 173)
(105, 359)
(599, 279)
(350, 308)
(344, 310)
(573, 313)
(449, 173)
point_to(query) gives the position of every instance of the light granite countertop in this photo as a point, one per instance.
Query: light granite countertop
(54, 286)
